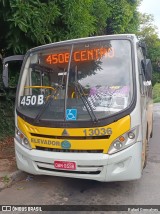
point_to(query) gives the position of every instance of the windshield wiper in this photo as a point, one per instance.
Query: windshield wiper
(85, 101)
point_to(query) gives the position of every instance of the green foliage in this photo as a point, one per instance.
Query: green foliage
(148, 33)
(30, 23)
(34, 18)
(156, 93)
(156, 78)
(35, 22)
(75, 20)
(7, 117)
(5, 179)
(122, 14)
(100, 10)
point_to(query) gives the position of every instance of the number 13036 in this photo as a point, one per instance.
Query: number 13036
(97, 131)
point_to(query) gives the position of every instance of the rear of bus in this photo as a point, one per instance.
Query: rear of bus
(78, 110)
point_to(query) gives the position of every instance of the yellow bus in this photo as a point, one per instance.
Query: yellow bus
(84, 108)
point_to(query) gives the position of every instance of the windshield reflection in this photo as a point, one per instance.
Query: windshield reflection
(94, 80)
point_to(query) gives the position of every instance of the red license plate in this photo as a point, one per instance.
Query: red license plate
(67, 165)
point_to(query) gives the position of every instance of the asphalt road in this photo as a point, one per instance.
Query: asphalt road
(67, 191)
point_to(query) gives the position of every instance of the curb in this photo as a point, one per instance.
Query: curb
(14, 176)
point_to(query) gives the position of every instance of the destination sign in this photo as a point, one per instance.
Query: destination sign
(80, 56)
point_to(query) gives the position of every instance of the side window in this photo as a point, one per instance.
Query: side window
(36, 78)
(141, 69)
(40, 79)
(46, 81)
(36, 81)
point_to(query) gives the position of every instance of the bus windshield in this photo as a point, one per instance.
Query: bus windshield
(77, 82)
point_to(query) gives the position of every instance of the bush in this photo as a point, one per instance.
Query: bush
(156, 93)
(7, 117)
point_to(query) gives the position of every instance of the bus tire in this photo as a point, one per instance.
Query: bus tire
(146, 154)
(151, 135)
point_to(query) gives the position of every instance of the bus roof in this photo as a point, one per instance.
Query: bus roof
(94, 38)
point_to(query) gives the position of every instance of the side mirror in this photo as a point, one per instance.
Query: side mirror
(144, 48)
(148, 70)
(5, 75)
(6, 65)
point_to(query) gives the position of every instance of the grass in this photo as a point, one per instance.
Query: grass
(156, 93)
(6, 179)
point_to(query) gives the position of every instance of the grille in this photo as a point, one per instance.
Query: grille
(71, 137)
(72, 172)
(81, 169)
(68, 150)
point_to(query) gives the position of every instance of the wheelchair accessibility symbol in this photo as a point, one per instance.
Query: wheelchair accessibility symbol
(71, 114)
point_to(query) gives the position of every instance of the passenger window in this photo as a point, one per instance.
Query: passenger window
(46, 81)
(40, 79)
(141, 68)
(36, 78)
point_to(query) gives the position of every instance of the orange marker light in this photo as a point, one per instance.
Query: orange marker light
(121, 139)
(21, 136)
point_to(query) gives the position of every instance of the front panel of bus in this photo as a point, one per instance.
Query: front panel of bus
(73, 108)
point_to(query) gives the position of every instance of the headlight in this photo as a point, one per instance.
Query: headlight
(124, 141)
(21, 138)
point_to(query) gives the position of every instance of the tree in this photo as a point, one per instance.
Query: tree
(35, 22)
(123, 16)
(27, 24)
(148, 33)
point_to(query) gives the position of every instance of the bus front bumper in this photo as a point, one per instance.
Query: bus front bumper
(121, 166)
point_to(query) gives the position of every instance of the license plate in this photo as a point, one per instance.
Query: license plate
(67, 165)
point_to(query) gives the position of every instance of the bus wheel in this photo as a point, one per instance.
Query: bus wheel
(146, 154)
(151, 135)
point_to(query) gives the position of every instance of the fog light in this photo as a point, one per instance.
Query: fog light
(131, 135)
(18, 133)
(121, 164)
(117, 145)
(25, 141)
